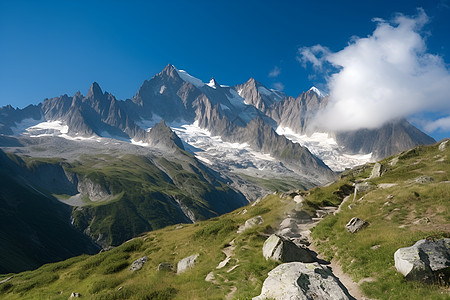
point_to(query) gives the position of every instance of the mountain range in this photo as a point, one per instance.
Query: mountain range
(180, 150)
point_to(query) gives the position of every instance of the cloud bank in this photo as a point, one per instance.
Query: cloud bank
(383, 77)
(275, 72)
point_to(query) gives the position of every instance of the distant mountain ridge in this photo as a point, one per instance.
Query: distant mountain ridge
(180, 150)
(176, 96)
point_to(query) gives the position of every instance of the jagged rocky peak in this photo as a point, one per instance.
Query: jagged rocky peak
(213, 83)
(169, 71)
(318, 92)
(94, 91)
(161, 136)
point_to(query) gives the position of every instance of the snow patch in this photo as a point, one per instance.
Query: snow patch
(318, 92)
(212, 83)
(147, 124)
(162, 89)
(23, 125)
(236, 99)
(224, 107)
(264, 91)
(139, 143)
(188, 78)
(213, 150)
(326, 148)
(47, 128)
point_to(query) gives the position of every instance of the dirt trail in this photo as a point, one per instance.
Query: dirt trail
(303, 227)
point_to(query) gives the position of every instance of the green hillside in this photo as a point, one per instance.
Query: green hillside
(409, 202)
(416, 207)
(139, 193)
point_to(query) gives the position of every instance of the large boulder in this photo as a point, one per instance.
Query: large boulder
(426, 260)
(355, 224)
(250, 223)
(165, 266)
(280, 249)
(138, 264)
(377, 171)
(296, 281)
(186, 263)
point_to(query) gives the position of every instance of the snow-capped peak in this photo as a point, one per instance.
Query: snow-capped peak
(318, 92)
(189, 78)
(213, 83)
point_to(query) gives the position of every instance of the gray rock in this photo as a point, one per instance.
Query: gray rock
(355, 224)
(250, 223)
(186, 263)
(394, 161)
(362, 187)
(165, 266)
(425, 260)
(210, 277)
(424, 179)
(443, 145)
(280, 249)
(296, 281)
(298, 199)
(6, 279)
(75, 295)
(138, 264)
(377, 171)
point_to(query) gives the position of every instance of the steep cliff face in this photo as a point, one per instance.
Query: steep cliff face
(258, 95)
(36, 228)
(390, 139)
(297, 113)
(262, 137)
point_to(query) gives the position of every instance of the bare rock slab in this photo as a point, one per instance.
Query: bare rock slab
(425, 260)
(280, 249)
(186, 263)
(355, 224)
(298, 281)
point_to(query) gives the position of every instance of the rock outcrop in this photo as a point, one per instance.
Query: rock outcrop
(258, 220)
(377, 171)
(186, 263)
(280, 249)
(355, 224)
(296, 281)
(75, 295)
(425, 261)
(138, 264)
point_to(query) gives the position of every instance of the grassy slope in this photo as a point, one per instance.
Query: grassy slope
(391, 226)
(35, 229)
(398, 216)
(100, 276)
(143, 189)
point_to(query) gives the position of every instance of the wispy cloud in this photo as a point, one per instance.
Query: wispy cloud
(275, 72)
(383, 77)
(278, 86)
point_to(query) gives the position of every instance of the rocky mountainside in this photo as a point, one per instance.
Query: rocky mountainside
(35, 227)
(369, 220)
(181, 99)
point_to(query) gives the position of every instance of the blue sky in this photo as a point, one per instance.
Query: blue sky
(49, 48)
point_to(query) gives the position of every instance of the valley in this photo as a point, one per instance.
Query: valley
(230, 262)
(176, 171)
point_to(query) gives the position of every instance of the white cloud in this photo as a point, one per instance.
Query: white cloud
(275, 72)
(439, 124)
(316, 55)
(383, 77)
(278, 86)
